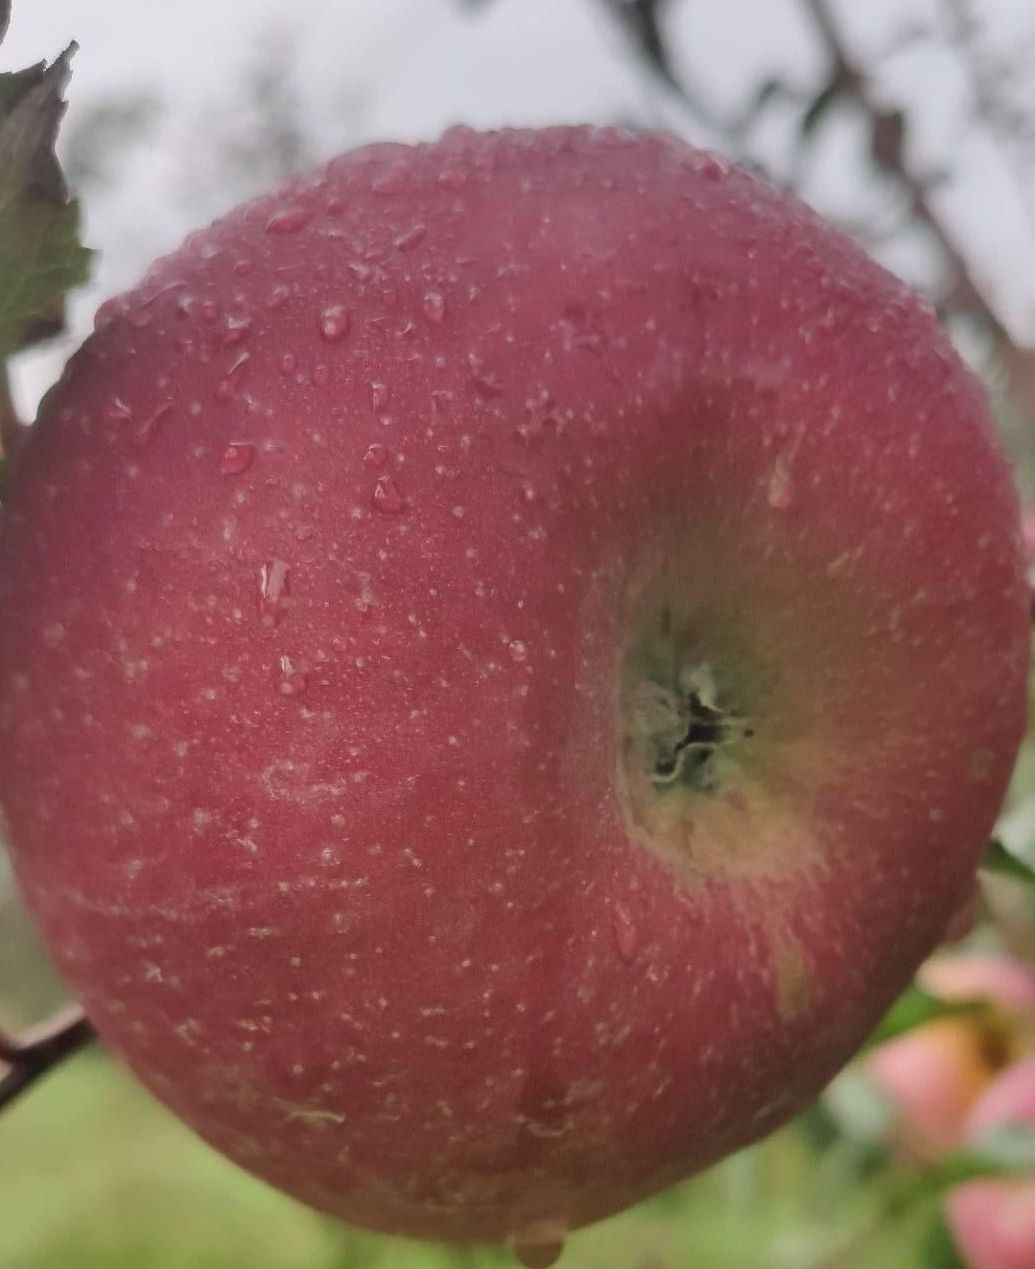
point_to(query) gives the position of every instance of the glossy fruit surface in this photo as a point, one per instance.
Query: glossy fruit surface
(511, 651)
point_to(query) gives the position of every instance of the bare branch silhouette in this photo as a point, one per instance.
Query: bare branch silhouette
(31, 1055)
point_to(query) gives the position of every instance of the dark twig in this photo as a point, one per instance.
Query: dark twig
(30, 1056)
(640, 22)
(887, 146)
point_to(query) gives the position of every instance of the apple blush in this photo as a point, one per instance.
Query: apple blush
(512, 650)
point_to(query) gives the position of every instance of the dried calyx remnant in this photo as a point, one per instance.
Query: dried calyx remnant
(679, 727)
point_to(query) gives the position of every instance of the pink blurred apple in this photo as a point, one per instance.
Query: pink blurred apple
(993, 1221)
(933, 1074)
(512, 650)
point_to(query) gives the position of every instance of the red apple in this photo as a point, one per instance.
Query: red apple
(511, 651)
(993, 1222)
(933, 1074)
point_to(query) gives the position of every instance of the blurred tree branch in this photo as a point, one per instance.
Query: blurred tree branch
(990, 81)
(888, 149)
(641, 23)
(32, 1055)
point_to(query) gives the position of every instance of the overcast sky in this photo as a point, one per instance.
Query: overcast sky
(406, 69)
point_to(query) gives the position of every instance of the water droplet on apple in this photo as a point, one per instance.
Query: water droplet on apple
(293, 679)
(386, 498)
(434, 306)
(334, 323)
(517, 650)
(780, 490)
(139, 317)
(624, 931)
(452, 177)
(376, 455)
(231, 381)
(289, 220)
(273, 591)
(237, 458)
(235, 331)
(288, 365)
(411, 237)
(614, 138)
(379, 395)
(539, 1244)
(147, 429)
(209, 310)
(278, 297)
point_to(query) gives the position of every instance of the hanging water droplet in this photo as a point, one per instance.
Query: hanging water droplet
(289, 220)
(334, 323)
(231, 381)
(624, 931)
(139, 317)
(237, 458)
(710, 166)
(386, 499)
(379, 395)
(293, 679)
(147, 429)
(393, 181)
(780, 490)
(434, 306)
(539, 1244)
(517, 650)
(273, 591)
(376, 455)
(487, 386)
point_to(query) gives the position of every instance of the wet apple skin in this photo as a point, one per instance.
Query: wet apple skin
(322, 575)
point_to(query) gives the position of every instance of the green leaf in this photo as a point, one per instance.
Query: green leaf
(915, 1007)
(1008, 1149)
(1005, 863)
(939, 1249)
(41, 257)
(1005, 1151)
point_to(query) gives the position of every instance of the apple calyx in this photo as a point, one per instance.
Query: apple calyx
(679, 728)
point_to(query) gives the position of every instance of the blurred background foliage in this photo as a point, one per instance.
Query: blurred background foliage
(916, 131)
